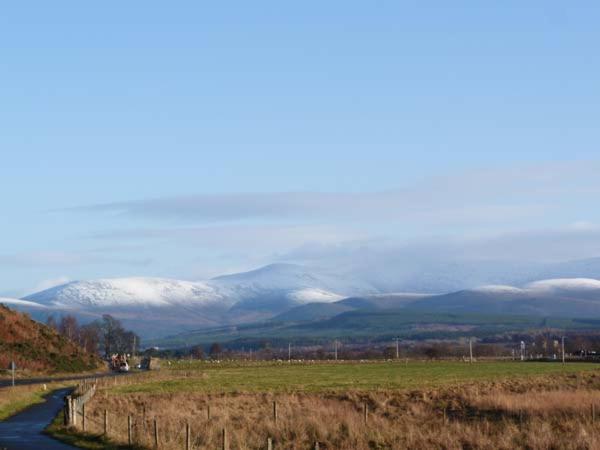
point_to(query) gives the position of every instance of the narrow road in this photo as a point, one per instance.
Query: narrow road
(23, 431)
(27, 381)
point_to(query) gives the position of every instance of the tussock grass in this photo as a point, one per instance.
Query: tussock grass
(546, 411)
(16, 399)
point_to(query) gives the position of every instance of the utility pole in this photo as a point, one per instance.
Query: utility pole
(470, 350)
(335, 344)
(563, 349)
(397, 348)
(13, 366)
(290, 352)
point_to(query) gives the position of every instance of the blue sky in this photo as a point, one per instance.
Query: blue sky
(189, 140)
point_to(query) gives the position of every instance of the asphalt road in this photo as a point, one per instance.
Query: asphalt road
(23, 431)
(27, 381)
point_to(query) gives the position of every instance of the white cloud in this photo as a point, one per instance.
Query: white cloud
(66, 259)
(47, 284)
(478, 196)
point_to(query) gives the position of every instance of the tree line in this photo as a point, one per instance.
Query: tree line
(103, 336)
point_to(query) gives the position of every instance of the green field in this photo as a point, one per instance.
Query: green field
(260, 377)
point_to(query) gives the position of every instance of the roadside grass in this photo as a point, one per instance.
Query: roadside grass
(25, 374)
(332, 377)
(16, 399)
(80, 439)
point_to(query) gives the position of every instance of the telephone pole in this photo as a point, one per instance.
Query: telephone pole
(290, 352)
(470, 350)
(397, 348)
(335, 344)
(563, 349)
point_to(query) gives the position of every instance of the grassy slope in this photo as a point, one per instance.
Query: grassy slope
(205, 377)
(38, 348)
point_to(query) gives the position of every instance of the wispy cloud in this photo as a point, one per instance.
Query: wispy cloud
(67, 258)
(475, 197)
(545, 245)
(265, 237)
(46, 284)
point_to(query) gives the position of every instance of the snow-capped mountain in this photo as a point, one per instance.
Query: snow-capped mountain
(575, 297)
(292, 277)
(128, 292)
(158, 306)
(294, 283)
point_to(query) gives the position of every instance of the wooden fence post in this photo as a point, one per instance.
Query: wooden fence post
(155, 433)
(208, 412)
(129, 440)
(225, 441)
(317, 445)
(188, 440)
(269, 444)
(74, 411)
(365, 412)
(275, 412)
(83, 424)
(105, 422)
(67, 410)
(520, 417)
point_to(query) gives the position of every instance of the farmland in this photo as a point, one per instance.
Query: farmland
(319, 377)
(343, 405)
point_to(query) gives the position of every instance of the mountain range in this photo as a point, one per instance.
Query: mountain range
(156, 307)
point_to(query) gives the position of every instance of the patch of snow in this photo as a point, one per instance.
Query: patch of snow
(310, 295)
(498, 289)
(401, 295)
(565, 283)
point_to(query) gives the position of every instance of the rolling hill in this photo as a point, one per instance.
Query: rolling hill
(155, 307)
(39, 348)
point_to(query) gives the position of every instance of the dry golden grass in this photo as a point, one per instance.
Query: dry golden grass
(538, 413)
(14, 399)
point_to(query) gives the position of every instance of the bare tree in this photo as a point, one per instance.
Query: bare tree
(68, 327)
(197, 352)
(51, 322)
(215, 350)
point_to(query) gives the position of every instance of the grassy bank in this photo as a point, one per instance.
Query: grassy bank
(15, 399)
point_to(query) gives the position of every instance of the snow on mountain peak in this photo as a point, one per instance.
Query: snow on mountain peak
(586, 284)
(309, 295)
(498, 289)
(291, 277)
(127, 292)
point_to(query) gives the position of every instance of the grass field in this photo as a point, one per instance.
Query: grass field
(416, 405)
(284, 377)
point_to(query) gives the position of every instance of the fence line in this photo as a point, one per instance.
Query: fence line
(75, 403)
(137, 431)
